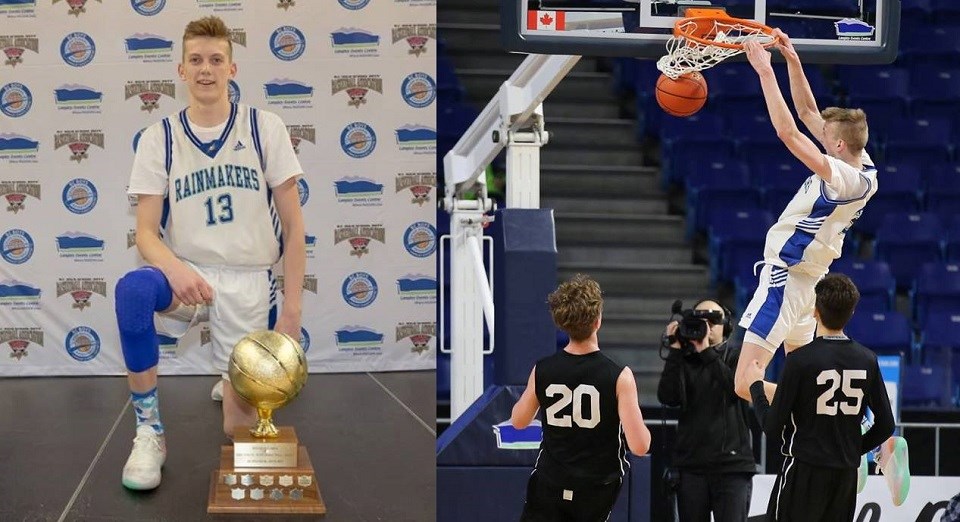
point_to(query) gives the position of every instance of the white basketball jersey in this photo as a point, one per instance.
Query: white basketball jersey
(219, 209)
(810, 231)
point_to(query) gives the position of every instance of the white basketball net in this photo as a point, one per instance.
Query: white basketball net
(685, 55)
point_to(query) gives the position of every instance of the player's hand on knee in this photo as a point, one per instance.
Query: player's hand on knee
(189, 287)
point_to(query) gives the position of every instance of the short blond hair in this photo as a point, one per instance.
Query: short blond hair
(208, 27)
(576, 305)
(851, 125)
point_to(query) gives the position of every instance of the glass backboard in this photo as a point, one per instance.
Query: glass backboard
(823, 31)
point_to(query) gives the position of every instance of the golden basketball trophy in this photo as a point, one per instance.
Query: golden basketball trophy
(266, 470)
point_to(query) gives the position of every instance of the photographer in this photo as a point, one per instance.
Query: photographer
(713, 461)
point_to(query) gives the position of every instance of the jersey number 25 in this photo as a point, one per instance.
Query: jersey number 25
(825, 403)
(582, 395)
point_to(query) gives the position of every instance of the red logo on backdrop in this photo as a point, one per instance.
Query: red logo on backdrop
(13, 56)
(19, 347)
(15, 202)
(150, 101)
(358, 96)
(78, 151)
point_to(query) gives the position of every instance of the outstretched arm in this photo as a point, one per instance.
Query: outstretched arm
(799, 145)
(526, 408)
(628, 406)
(800, 91)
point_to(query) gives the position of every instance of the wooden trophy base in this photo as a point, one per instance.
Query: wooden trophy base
(279, 490)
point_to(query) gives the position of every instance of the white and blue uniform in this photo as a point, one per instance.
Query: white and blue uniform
(219, 214)
(799, 249)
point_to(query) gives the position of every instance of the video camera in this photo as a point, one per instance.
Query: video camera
(693, 324)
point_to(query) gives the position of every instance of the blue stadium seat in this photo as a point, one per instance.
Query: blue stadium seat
(727, 81)
(682, 153)
(899, 191)
(880, 83)
(776, 199)
(940, 344)
(906, 241)
(708, 180)
(936, 289)
(734, 234)
(952, 242)
(917, 131)
(755, 128)
(776, 168)
(926, 386)
(942, 177)
(874, 281)
(944, 205)
(884, 333)
(883, 114)
(720, 201)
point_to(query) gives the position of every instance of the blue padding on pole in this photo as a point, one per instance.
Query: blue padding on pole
(471, 440)
(525, 272)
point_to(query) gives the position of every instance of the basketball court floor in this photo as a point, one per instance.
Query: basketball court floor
(63, 443)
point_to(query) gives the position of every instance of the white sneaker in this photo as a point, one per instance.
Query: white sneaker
(142, 470)
(217, 392)
(894, 462)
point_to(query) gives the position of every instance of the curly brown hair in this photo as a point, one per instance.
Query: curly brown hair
(851, 126)
(210, 27)
(576, 305)
(837, 297)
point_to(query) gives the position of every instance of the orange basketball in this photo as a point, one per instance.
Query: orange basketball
(684, 96)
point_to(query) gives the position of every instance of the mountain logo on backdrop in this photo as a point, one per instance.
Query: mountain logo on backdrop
(150, 92)
(81, 289)
(359, 289)
(359, 340)
(77, 7)
(148, 7)
(418, 139)
(287, 43)
(16, 192)
(359, 237)
(358, 140)
(419, 183)
(78, 99)
(419, 333)
(419, 288)
(420, 239)
(15, 99)
(16, 246)
(289, 94)
(19, 340)
(79, 196)
(77, 49)
(17, 148)
(83, 343)
(300, 133)
(14, 45)
(19, 295)
(359, 192)
(80, 247)
(356, 86)
(78, 141)
(148, 48)
(221, 6)
(311, 243)
(418, 90)
(355, 42)
(18, 8)
(417, 36)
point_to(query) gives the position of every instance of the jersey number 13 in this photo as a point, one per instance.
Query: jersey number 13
(582, 395)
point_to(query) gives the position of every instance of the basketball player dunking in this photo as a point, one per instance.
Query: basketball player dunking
(217, 205)
(809, 234)
(591, 416)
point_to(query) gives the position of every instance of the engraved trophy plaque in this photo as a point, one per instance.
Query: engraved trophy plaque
(266, 470)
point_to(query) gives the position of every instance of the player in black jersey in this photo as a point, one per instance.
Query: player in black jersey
(817, 411)
(591, 416)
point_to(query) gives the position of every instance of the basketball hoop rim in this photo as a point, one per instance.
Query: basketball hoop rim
(704, 24)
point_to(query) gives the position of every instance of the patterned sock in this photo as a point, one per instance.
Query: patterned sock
(147, 407)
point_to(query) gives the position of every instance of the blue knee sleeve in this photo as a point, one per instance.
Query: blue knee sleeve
(139, 294)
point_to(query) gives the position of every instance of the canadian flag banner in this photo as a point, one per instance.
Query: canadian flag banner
(545, 20)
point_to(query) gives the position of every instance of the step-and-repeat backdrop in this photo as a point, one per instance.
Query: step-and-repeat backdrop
(354, 81)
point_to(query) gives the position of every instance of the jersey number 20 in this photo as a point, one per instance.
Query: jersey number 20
(577, 397)
(224, 207)
(825, 403)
